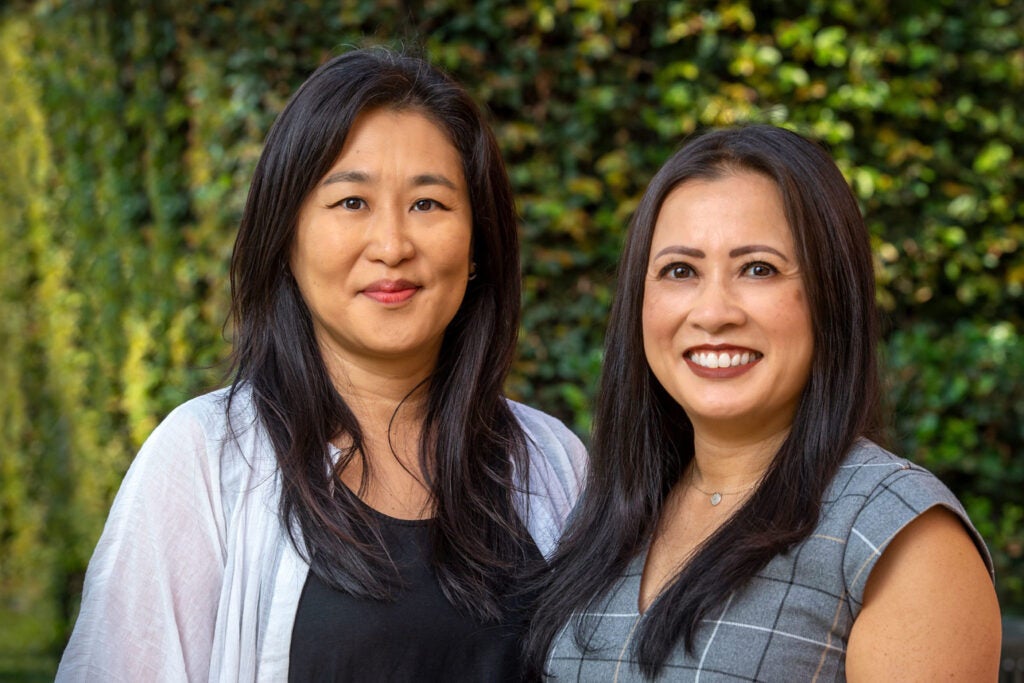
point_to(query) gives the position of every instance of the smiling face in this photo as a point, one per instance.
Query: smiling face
(726, 323)
(382, 245)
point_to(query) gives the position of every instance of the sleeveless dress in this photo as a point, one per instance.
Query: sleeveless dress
(791, 622)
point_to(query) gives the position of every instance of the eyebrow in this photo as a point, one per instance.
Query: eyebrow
(433, 179)
(362, 177)
(685, 251)
(754, 248)
(738, 251)
(347, 177)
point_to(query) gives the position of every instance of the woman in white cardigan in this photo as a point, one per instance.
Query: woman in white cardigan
(362, 502)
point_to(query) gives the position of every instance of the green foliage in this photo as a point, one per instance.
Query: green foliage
(130, 132)
(27, 556)
(958, 398)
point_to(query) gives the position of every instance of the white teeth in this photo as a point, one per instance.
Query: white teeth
(723, 360)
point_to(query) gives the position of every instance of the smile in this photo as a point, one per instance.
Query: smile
(716, 359)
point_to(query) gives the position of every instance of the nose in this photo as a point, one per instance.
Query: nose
(716, 307)
(388, 239)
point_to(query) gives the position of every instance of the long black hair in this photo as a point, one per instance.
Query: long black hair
(643, 441)
(471, 443)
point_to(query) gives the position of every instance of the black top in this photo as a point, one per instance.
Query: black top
(419, 636)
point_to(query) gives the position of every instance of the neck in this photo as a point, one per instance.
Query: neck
(374, 389)
(389, 402)
(378, 403)
(726, 464)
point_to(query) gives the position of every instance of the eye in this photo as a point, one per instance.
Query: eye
(759, 269)
(676, 271)
(427, 205)
(350, 203)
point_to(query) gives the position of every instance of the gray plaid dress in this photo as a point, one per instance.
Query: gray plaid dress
(792, 621)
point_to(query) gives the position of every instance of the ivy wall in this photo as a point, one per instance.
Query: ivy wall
(130, 129)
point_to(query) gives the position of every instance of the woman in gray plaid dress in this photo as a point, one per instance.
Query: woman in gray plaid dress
(740, 520)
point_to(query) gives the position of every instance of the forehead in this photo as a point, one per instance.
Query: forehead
(735, 207)
(409, 136)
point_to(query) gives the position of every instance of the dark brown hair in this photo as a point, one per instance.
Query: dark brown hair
(643, 440)
(473, 440)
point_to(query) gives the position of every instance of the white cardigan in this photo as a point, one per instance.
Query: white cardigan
(194, 577)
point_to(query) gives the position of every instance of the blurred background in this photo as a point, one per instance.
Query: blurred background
(129, 130)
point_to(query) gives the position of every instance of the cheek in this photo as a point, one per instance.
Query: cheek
(799, 325)
(317, 269)
(453, 269)
(657, 332)
(648, 320)
(801, 311)
(321, 248)
(450, 249)
(662, 313)
(799, 299)
(788, 306)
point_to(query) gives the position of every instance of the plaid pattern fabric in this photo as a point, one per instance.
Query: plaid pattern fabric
(792, 621)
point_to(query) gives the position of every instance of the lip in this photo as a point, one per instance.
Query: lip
(724, 372)
(391, 291)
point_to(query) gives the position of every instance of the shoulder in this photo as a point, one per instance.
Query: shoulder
(178, 453)
(869, 472)
(214, 413)
(885, 492)
(533, 420)
(182, 439)
(557, 465)
(198, 418)
(928, 610)
(211, 443)
(873, 497)
(210, 422)
(551, 443)
(164, 543)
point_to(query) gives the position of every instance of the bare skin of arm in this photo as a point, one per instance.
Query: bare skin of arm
(930, 611)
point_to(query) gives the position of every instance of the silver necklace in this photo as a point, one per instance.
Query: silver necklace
(716, 496)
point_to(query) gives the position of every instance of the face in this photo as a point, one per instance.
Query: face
(382, 245)
(726, 324)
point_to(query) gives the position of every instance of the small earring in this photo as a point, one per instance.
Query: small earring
(472, 270)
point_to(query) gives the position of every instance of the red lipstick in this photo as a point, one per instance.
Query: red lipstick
(391, 291)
